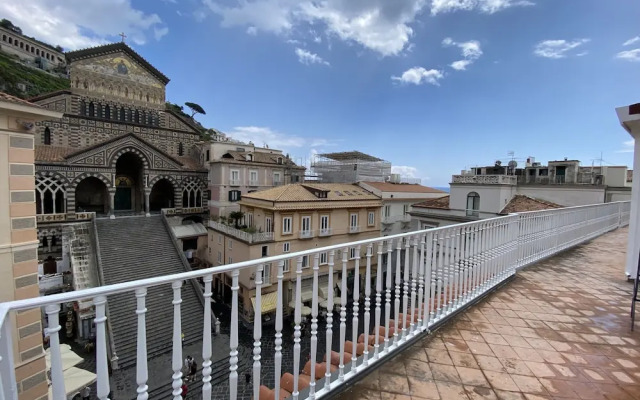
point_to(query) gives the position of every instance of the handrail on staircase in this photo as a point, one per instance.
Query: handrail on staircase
(187, 268)
(111, 348)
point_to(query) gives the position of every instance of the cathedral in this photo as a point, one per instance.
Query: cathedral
(117, 149)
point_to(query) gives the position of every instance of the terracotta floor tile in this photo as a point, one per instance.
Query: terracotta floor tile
(446, 373)
(357, 393)
(613, 392)
(528, 354)
(471, 336)
(494, 338)
(449, 390)
(480, 349)
(552, 357)
(565, 372)
(423, 388)
(516, 341)
(501, 381)
(503, 351)
(417, 368)
(393, 383)
(480, 393)
(529, 384)
(472, 376)
(490, 363)
(439, 356)
(541, 370)
(559, 388)
(516, 366)
(456, 345)
(463, 359)
(507, 395)
(394, 396)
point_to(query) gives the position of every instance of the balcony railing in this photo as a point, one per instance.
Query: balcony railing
(325, 232)
(308, 234)
(253, 182)
(485, 179)
(256, 237)
(62, 217)
(390, 219)
(277, 182)
(429, 276)
(234, 182)
(354, 229)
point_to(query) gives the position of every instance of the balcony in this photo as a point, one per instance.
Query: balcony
(277, 182)
(234, 182)
(253, 183)
(325, 232)
(564, 317)
(354, 229)
(485, 179)
(248, 237)
(308, 234)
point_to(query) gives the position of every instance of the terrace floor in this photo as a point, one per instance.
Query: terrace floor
(560, 329)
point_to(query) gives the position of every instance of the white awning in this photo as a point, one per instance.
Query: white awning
(190, 230)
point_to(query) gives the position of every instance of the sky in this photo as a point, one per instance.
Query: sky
(433, 86)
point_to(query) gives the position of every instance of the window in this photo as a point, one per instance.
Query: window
(219, 257)
(253, 178)
(306, 224)
(279, 160)
(405, 209)
(276, 178)
(387, 211)
(47, 135)
(265, 251)
(286, 247)
(136, 117)
(473, 204)
(249, 219)
(353, 222)
(234, 195)
(249, 157)
(180, 147)
(107, 112)
(372, 218)
(305, 261)
(235, 177)
(230, 244)
(286, 225)
(266, 274)
(285, 266)
(352, 253)
(219, 239)
(268, 221)
(323, 258)
(49, 196)
(191, 194)
(230, 260)
(208, 155)
(324, 224)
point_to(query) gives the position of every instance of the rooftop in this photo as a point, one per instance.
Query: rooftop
(349, 156)
(522, 203)
(16, 100)
(402, 187)
(441, 203)
(298, 192)
(547, 334)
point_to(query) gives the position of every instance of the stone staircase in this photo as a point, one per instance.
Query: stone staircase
(134, 248)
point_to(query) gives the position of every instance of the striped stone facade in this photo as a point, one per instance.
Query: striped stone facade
(19, 242)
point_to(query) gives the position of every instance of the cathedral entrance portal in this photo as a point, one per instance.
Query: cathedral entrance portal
(162, 195)
(91, 195)
(129, 194)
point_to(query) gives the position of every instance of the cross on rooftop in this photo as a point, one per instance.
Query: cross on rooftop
(122, 35)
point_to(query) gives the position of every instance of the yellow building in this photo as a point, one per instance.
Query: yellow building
(288, 219)
(18, 239)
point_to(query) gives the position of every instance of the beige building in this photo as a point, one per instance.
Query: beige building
(236, 169)
(287, 219)
(31, 50)
(18, 238)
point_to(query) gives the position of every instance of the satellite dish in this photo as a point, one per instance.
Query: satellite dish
(513, 164)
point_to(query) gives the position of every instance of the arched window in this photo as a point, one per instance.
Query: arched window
(22, 45)
(473, 204)
(122, 114)
(137, 117)
(107, 112)
(126, 92)
(4, 38)
(92, 109)
(49, 196)
(128, 115)
(83, 107)
(150, 119)
(147, 97)
(143, 120)
(10, 40)
(99, 110)
(47, 135)
(191, 194)
(180, 149)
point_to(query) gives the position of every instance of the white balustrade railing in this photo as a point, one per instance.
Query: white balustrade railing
(413, 281)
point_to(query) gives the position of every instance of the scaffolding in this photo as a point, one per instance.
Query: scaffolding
(350, 167)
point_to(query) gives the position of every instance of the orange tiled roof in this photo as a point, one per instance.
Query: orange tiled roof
(402, 187)
(16, 100)
(51, 153)
(441, 203)
(522, 203)
(298, 192)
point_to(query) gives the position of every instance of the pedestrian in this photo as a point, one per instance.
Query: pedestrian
(187, 365)
(86, 393)
(193, 370)
(185, 389)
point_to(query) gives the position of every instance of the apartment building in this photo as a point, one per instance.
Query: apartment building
(397, 199)
(292, 218)
(236, 169)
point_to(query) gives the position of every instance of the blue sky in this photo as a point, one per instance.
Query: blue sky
(434, 86)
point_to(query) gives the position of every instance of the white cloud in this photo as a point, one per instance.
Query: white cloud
(631, 41)
(557, 48)
(75, 24)
(627, 147)
(484, 6)
(379, 25)
(308, 58)
(419, 76)
(260, 136)
(471, 51)
(252, 30)
(629, 55)
(408, 172)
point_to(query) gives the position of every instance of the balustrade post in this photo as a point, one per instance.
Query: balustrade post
(176, 360)
(376, 346)
(343, 313)
(396, 305)
(206, 339)
(57, 378)
(142, 373)
(421, 283)
(314, 327)
(457, 260)
(102, 368)
(278, 341)
(387, 304)
(329, 334)
(439, 275)
(405, 291)
(356, 309)
(296, 333)
(233, 339)
(257, 332)
(8, 388)
(367, 305)
(414, 273)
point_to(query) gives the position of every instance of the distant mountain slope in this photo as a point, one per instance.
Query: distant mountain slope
(14, 74)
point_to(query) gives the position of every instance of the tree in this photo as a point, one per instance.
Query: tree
(236, 216)
(195, 108)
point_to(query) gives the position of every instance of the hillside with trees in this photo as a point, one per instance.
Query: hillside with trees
(22, 81)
